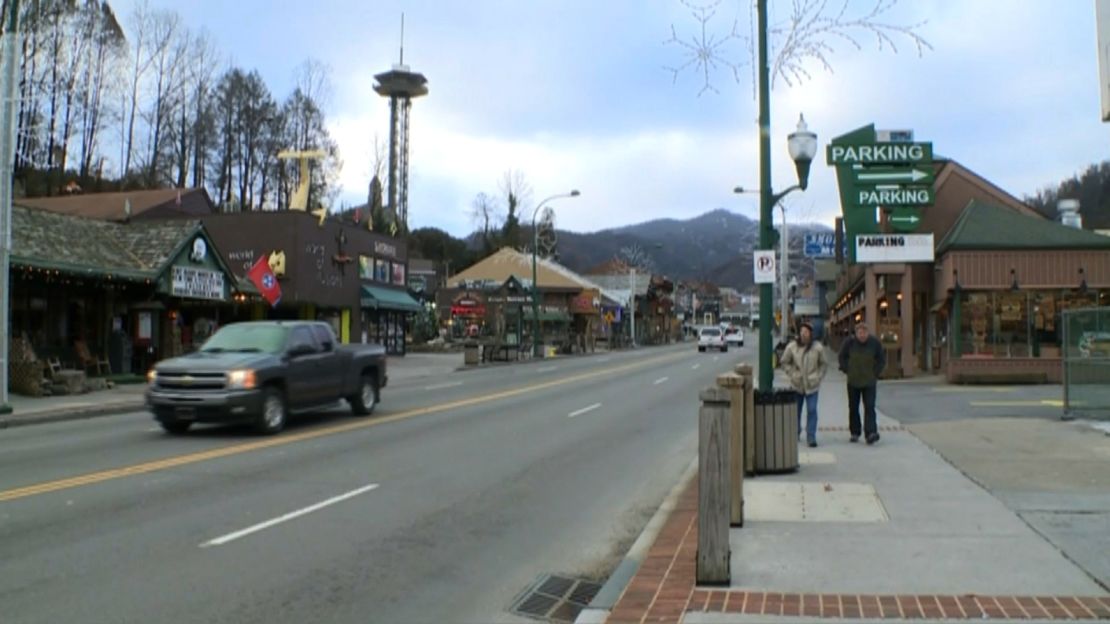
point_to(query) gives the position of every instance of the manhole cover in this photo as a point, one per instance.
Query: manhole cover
(555, 598)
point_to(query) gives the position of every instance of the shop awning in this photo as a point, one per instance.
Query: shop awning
(547, 316)
(377, 298)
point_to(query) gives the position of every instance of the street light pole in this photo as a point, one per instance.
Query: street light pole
(766, 315)
(536, 348)
(8, 103)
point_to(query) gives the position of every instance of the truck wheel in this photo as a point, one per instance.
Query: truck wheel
(176, 427)
(362, 404)
(273, 411)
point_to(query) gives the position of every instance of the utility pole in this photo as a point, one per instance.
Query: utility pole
(632, 307)
(9, 49)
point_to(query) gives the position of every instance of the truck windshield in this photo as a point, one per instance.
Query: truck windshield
(247, 337)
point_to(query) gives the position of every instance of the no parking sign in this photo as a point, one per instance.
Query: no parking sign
(764, 266)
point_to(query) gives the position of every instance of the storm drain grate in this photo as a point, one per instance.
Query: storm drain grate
(556, 598)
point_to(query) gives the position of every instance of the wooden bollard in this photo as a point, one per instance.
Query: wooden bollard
(713, 504)
(745, 371)
(734, 384)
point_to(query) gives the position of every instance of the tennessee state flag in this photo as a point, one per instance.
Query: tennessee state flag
(263, 279)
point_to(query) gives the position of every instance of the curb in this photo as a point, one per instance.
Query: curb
(611, 591)
(79, 413)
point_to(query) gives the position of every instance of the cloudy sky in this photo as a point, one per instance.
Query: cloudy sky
(577, 94)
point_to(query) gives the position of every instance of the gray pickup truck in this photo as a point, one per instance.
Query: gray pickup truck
(259, 372)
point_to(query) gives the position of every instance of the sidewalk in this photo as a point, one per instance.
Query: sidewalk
(38, 410)
(890, 531)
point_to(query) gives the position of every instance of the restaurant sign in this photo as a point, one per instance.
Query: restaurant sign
(197, 283)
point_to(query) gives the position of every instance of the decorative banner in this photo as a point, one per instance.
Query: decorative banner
(894, 248)
(264, 279)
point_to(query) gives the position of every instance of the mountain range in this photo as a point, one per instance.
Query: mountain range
(715, 247)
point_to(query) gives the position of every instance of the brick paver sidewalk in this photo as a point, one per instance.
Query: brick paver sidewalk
(663, 590)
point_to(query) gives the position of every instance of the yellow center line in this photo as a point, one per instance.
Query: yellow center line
(237, 449)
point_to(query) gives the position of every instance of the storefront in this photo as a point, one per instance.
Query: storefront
(130, 294)
(332, 271)
(493, 299)
(988, 307)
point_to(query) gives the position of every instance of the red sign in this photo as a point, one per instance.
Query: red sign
(263, 278)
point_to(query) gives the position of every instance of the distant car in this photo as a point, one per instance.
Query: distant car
(735, 336)
(711, 338)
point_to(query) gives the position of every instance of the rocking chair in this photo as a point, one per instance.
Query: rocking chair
(87, 360)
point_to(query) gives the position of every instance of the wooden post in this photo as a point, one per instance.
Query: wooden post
(745, 371)
(713, 504)
(734, 385)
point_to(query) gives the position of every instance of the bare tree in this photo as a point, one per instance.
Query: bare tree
(483, 212)
(313, 78)
(169, 45)
(517, 194)
(141, 25)
(636, 257)
(191, 133)
(108, 49)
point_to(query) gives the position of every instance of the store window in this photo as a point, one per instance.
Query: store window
(1019, 323)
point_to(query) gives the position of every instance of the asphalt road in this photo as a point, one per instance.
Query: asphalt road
(442, 507)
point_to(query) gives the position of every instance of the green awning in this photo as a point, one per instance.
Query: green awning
(388, 299)
(547, 316)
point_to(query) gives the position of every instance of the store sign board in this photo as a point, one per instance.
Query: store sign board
(894, 248)
(197, 283)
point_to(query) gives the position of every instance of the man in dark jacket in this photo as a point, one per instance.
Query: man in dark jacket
(863, 360)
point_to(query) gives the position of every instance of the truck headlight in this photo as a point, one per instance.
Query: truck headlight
(151, 376)
(242, 379)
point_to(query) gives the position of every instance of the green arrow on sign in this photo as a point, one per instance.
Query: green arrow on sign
(891, 175)
(905, 219)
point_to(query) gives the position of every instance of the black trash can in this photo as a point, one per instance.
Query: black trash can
(776, 431)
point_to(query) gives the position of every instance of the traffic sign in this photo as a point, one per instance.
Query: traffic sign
(895, 195)
(879, 153)
(764, 266)
(892, 175)
(905, 218)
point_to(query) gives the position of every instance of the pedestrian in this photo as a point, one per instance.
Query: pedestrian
(805, 364)
(862, 360)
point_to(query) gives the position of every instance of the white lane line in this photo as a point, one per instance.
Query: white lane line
(547, 369)
(589, 408)
(153, 429)
(454, 384)
(659, 381)
(230, 537)
(695, 367)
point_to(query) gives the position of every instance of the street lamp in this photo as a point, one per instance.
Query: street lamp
(536, 349)
(802, 146)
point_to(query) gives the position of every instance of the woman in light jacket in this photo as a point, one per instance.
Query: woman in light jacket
(805, 364)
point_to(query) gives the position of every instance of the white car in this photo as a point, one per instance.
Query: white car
(711, 338)
(735, 337)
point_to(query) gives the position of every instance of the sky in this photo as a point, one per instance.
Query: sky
(577, 94)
